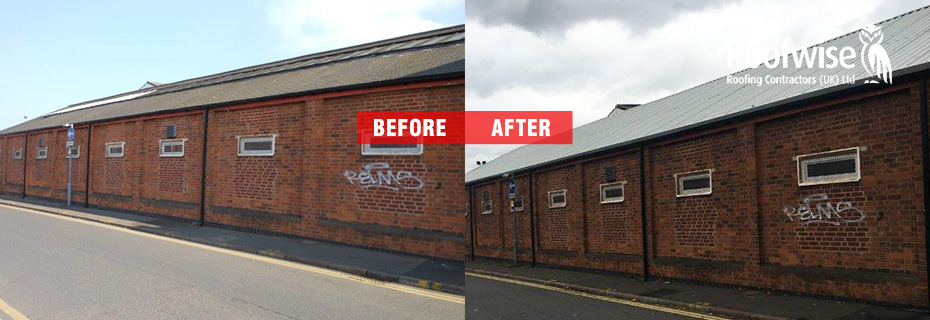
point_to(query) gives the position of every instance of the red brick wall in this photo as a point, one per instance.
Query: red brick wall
(740, 234)
(14, 168)
(303, 190)
(426, 220)
(58, 157)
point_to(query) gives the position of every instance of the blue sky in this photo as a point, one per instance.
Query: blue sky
(56, 53)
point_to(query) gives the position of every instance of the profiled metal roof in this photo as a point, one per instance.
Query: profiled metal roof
(906, 39)
(428, 55)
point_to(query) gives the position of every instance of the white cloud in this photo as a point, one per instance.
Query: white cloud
(596, 64)
(316, 25)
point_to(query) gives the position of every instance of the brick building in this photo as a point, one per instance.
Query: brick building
(800, 188)
(269, 148)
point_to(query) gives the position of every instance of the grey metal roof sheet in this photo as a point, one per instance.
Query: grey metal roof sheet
(429, 54)
(907, 41)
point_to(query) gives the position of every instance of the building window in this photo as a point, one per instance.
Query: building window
(518, 204)
(612, 192)
(115, 149)
(557, 199)
(257, 145)
(17, 154)
(415, 147)
(486, 207)
(171, 148)
(694, 183)
(829, 167)
(74, 152)
(42, 153)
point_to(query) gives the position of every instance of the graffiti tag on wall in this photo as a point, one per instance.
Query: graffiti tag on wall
(380, 175)
(817, 208)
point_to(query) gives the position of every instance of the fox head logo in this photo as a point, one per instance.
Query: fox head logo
(878, 64)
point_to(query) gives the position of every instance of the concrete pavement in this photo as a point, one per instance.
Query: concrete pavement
(52, 267)
(496, 300)
(437, 274)
(729, 302)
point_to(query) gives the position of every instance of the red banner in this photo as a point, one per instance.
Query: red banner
(464, 127)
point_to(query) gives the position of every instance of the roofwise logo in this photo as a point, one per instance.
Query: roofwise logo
(871, 55)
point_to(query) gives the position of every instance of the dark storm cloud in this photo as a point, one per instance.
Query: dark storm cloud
(554, 16)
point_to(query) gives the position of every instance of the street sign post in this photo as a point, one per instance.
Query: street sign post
(70, 144)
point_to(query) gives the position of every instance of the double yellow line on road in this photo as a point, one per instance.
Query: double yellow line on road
(388, 285)
(11, 312)
(592, 296)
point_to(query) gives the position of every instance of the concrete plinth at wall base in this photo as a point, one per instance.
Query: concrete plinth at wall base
(377, 275)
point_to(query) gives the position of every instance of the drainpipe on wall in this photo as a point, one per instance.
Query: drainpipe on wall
(87, 150)
(471, 221)
(925, 160)
(25, 161)
(642, 209)
(203, 170)
(532, 221)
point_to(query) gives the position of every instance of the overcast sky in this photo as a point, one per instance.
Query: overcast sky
(59, 52)
(562, 55)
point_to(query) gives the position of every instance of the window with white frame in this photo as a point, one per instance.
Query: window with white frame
(518, 203)
(17, 154)
(41, 153)
(694, 183)
(372, 147)
(486, 207)
(263, 145)
(829, 167)
(557, 199)
(171, 148)
(612, 192)
(74, 152)
(115, 149)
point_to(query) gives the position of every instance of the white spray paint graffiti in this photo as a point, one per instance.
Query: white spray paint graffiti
(380, 175)
(823, 211)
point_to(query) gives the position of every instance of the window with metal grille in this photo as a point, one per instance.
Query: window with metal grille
(829, 167)
(263, 145)
(612, 192)
(557, 199)
(694, 183)
(486, 207)
(17, 154)
(74, 152)
(518, 204)
(115, 149)
(171, 148)
(42, 153)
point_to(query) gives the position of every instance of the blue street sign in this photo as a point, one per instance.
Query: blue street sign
(513, 187)
(71, 134)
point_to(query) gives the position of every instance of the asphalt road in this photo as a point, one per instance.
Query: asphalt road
(490, 300)
(53, 268)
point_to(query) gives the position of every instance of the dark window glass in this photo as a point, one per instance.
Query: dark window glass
(614, 193)
(257, 146)
(831, 168)
(518, 203)
(487, 206)
(698, 183)
(75, 150)
(558, 198)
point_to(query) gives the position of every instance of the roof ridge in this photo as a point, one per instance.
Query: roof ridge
(169, 87)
